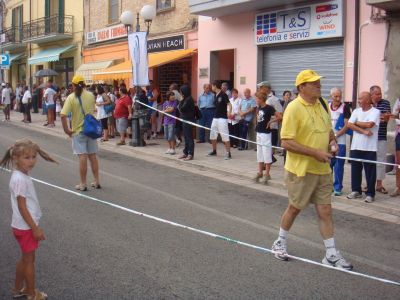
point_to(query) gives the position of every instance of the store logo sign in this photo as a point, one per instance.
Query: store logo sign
(303, 23)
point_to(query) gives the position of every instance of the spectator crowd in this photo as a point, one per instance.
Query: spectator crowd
(234, 117)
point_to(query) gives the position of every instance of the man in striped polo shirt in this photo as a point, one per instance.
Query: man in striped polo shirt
(384, 107)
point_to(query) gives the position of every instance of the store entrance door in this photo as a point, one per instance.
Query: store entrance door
(222, 66)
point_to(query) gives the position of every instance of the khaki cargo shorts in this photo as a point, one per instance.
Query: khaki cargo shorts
(311, 188)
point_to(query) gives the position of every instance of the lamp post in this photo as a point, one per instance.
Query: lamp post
(148, 13)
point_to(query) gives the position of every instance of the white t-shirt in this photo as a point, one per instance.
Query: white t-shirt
(361, 141)
(395, 111)
(6, 95)
(22, 185)
(335, 114)
(26, 97)
(101, 113)
(273, 101)
(50, 95)
(235, 109)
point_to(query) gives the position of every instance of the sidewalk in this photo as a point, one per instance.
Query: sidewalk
(239, 170)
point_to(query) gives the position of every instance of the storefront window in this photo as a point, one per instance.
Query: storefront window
(65, 69)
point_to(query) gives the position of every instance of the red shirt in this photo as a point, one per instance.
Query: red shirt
(121, 108)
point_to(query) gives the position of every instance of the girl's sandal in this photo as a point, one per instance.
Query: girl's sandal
(18, 294)
(81, 187)
(96, 185)
(38, 296)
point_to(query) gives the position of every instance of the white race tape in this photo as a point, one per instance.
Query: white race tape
(207, 233)
(252, 142)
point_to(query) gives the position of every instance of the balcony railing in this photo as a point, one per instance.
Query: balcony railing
(11, 35)
(47, 28)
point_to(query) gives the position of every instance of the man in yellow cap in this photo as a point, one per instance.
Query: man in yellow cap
(310, 143)
(82, 145)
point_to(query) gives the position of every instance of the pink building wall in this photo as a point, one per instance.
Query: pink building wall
(233, 32)
(236, 32)
(373, 40)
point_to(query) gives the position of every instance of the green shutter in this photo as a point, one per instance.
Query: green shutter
(13, 16)
(47, 8)
(61, 13)
(47, 16)
(21, 21)
(61, 8)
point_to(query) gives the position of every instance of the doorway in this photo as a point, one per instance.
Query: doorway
(222, 66)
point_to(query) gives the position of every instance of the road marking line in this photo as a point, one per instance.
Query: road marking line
(214, 235)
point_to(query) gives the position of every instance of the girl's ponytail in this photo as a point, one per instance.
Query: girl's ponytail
(6, 161)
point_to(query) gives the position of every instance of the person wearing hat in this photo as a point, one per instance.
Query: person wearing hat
(82, 145)
(310, 143)
(272, 100)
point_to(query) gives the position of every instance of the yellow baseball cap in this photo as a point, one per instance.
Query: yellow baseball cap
(307, 76)
(77, 79)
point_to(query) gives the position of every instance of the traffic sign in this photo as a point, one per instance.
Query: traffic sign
(5, 60)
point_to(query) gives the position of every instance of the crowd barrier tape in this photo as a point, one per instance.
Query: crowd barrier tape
(210, 234)
(255, 143)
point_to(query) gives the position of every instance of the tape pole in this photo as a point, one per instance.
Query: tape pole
(255, 143)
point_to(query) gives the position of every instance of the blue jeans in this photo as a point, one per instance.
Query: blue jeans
(370, 171)
(338, 169)
(244, 128)
(206, 120)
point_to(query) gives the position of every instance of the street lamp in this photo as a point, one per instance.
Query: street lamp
(148, 13)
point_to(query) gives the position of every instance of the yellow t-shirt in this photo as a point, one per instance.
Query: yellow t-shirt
(309, 125)
(72, 105)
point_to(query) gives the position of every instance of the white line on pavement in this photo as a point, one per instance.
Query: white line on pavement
(207, 233)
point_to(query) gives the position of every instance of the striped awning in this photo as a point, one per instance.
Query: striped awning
(49, 55)
(87, 70)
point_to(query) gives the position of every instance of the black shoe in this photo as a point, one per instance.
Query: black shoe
(274, 160)
(212, 153)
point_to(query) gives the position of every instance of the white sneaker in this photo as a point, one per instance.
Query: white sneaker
(280, 250)
(168, 151)
(369, 199)
(178, 142)
(172, 152)
(337, 261)
(354, 195)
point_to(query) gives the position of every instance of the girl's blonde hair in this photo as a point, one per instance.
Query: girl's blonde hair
(19, 148)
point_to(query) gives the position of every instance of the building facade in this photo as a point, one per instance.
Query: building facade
(42, 34)
(348, 42)
(172, 43)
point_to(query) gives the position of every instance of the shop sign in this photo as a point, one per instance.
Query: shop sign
(166, 44)
(5, 61)
(106, 34)
(317, 21)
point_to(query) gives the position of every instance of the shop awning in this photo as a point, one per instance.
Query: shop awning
(87, 70)
(15, 56)
(49, 55)
(124, 70)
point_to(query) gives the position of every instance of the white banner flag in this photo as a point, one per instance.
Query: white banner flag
(138, 51)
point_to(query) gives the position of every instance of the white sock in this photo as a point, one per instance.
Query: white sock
(282, 235)
(330, 247)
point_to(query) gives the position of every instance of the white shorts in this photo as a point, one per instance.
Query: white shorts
(381, 156)
(264, 153)
(219, 126)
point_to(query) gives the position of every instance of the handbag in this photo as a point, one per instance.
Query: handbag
(91, 126)
(109, 108)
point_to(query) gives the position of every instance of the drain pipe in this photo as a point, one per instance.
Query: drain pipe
(30, 47)
(356, 68)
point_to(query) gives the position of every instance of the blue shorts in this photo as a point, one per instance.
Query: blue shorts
(169, 132)
(50, 107)
(82, 144)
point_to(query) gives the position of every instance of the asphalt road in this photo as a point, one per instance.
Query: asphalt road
(94, 251)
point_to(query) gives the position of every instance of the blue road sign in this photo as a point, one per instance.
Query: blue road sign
(5, 60)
